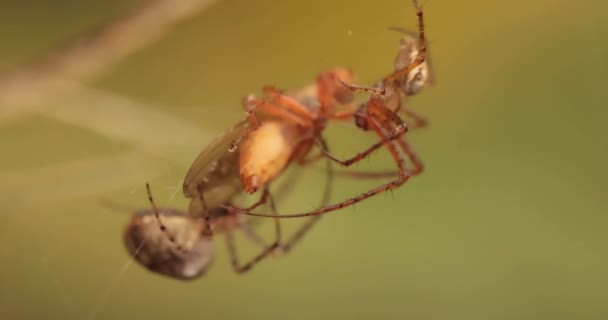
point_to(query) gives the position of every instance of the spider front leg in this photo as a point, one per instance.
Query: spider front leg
(206, 215)
(242, 268)
(420, 58)
(179, 249)
(398, 131)
(262, 200)
(288, 245)
(403, 176)
(305, 228)
(411, 154)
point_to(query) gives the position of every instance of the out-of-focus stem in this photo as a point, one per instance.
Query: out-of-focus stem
(59, 71)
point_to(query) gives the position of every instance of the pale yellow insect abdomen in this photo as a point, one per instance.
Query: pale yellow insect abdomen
(265, 153)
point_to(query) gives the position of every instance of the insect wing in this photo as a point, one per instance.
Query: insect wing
(216, 166)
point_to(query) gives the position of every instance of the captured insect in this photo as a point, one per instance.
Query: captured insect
(378, 114)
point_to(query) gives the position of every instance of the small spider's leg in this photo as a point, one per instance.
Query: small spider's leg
(329, 174)
(421, 51)
(287, 185)
(236, 266)
(304, 228)
(406, 148)
(398, 131)
(253, 236)
(263, 198)
(377, 109)
(391, 185)
(418, 121)
(284, 188)
(207, 231)
(163, 228)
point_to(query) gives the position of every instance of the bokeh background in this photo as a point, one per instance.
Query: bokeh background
(508, 222)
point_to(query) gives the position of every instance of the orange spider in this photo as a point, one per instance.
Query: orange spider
(379, 113)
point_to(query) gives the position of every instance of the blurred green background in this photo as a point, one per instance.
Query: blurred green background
(508, 222)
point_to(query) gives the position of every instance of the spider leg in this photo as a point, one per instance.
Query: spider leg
(375, 110)
(391, 185)
(179, 250)
(242, 268)
(404, 146)
(304, 228)
(207, 231)
(421, 53)
(413, 156)
(398, 131)
(358, 88)
(263, 199)
(253, 236)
